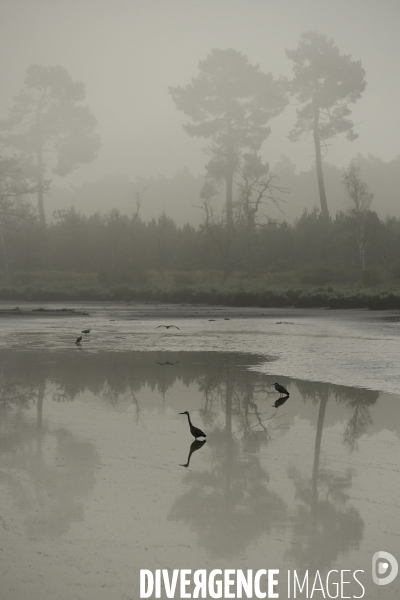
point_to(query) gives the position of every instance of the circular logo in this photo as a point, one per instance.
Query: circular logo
(380, 564)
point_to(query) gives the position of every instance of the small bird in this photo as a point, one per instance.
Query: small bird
(78, 340)
(86, 331)
(279, 388)
(195, 431)
(167, 326)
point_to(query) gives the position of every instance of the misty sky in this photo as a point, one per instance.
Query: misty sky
(127, 52)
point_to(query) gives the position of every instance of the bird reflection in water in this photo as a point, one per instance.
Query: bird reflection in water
(280, 401)
(167, 363)
(196, 445)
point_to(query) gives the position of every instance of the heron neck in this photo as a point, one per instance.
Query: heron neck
(190, 422)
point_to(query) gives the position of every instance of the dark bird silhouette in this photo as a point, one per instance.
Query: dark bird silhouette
(167, 363)
(196, 445)
(78, 340)
(279, 388)
(86, 331)
(280, 401)
(167, 326)
(195, 431)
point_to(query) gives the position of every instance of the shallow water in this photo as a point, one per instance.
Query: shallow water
(349, 347)
(99, 476)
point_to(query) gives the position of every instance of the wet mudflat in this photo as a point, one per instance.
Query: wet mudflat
(99, 476)
(350, 347)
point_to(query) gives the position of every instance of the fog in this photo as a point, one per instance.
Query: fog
(199, 211)
(153, 144)
(128, 52)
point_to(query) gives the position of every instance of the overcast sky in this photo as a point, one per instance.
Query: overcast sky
(127, 52)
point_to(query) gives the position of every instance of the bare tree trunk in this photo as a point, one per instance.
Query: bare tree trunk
(229, 200)
(226, 266)
(318, 158)
(229, 180)
(3, 245)
(42, 216)
(161, 247)
(361, 242)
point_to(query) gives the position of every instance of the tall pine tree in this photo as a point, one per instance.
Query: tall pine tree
(325, 83)
(230, 102)
(49, 127)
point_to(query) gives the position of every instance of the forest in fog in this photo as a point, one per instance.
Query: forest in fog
(242, 223)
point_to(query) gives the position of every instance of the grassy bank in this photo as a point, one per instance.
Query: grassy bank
(256, 294)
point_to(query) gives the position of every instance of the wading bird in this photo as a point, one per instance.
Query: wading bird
(78, 340)
(195, 431)
(167, 326)
(86, 331)
(279, 388)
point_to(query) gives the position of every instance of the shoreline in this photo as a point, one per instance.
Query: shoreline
(154, 310)
(236, 297)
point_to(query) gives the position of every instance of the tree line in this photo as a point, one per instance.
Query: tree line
(355, 246)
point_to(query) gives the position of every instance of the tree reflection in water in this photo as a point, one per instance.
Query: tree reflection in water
(231, 505)
(358, 401)
(228, 504)
(45, 488)
(324, 525)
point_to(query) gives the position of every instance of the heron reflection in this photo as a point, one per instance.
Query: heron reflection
(196, 445)
(280, 401)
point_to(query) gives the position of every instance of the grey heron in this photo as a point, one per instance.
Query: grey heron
(195, 431)
(279, 388)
